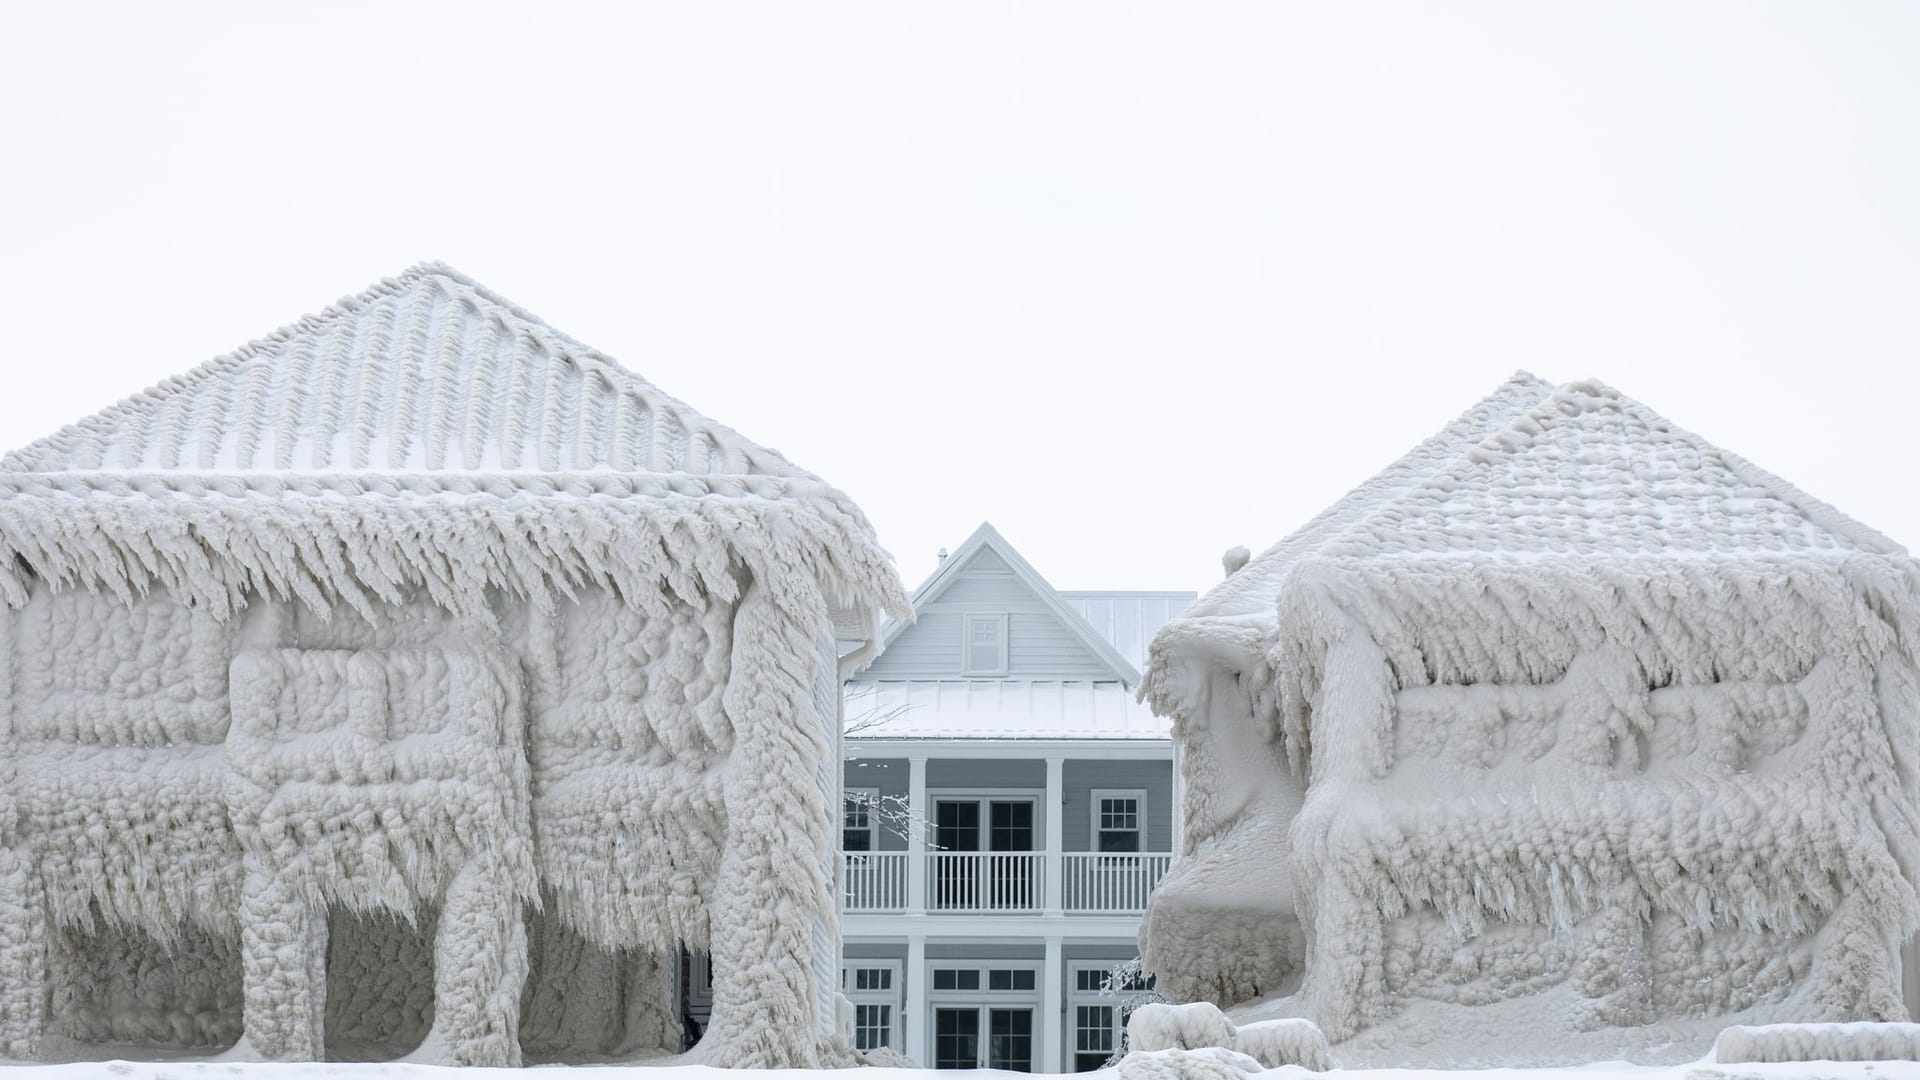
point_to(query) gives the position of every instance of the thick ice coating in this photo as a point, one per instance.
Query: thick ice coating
(1570, 723)
(419, 681)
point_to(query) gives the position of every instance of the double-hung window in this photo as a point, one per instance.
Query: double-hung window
(983, 644)
(1118, 817)
(1099, 1016)
(873, 987)
(856, 825)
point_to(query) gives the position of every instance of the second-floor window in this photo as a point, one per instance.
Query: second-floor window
(856, 826)
(983, 645)
(1116, 820)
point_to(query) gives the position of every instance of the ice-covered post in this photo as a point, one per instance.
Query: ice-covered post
(774, 902)
(23, 933)
(480, 967)
(283, 963)
(23, 951)
(917, 837)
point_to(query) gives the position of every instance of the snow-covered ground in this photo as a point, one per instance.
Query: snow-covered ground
(211, 1070)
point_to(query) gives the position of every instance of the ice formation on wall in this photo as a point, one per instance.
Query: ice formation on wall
(1568, 722)
(417, 680)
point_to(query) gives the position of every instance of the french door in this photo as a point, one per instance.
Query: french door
(958, 1041)
(986, 827)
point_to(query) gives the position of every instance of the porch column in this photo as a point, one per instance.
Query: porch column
(914, 1020)
(1052, 1053)
(918, 824)
(1056, 813)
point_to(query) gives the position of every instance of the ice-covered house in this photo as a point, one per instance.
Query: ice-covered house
(1568, 735)
(418, 680)
(1010, 809)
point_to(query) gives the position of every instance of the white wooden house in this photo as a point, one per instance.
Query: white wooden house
(1003, 719)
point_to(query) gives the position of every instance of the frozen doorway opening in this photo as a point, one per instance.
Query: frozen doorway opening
(379, 983)
(587, 1004)
(122, 991)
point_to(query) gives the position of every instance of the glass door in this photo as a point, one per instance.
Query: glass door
(1010, 1039)
(956, 828)
(1010, 829)
(956, 1038)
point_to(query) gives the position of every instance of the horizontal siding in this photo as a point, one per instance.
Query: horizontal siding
(930, 648)
(1039, 642)
(1081, 778)
(1043, 645)
(961, 774)
(986, 588)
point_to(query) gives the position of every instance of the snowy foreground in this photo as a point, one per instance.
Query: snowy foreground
(210, 1070)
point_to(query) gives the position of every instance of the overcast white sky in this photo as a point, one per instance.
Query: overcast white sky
(1136, 282)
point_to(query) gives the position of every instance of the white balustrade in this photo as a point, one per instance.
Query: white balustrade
(1005, 882)
(989, 881)
(876, 881)
(1114, 883)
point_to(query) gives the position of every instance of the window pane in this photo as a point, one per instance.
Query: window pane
(1119, 841)
(856, 840)
(943, 978)
(1023, 980)
(999, 979)
(1089, 979)
(969, 979)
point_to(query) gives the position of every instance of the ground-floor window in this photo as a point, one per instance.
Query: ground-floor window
(1100, 1014)
(874, 987)
(983, 1014)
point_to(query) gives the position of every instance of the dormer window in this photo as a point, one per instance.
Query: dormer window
(983, 645)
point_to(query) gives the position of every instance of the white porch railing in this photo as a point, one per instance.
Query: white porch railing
(876, 881)
(1005, 882)
(1110, 883)
(992, 881)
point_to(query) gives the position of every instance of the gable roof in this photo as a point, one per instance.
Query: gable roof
(423, 434)
(427, 372)
(988, 539)
(1255, 588)
(1589, 473)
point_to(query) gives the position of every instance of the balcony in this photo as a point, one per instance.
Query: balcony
(1003, 882)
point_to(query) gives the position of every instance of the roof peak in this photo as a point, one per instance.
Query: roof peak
(1254, 589)
(427, 371)
(1589, 472)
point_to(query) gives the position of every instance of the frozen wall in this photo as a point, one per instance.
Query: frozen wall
(1220, 926)
(340, 832)
(1629, 863)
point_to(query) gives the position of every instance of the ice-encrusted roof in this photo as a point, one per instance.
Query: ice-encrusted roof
(1573, 511)
(1590, 473)
(424, 433)
(1236, 619)
(1253, 589)
(427, 372)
